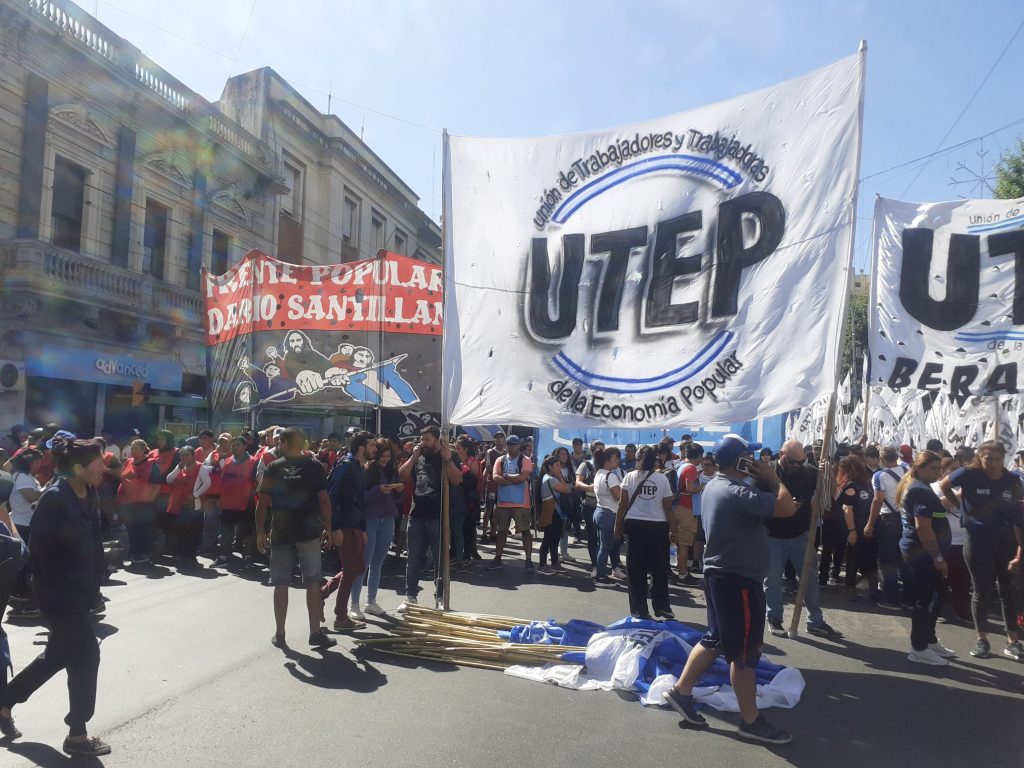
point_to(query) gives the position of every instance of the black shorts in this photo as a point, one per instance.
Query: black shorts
(736, 615)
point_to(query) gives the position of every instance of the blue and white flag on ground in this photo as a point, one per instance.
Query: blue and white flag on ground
(646, 658)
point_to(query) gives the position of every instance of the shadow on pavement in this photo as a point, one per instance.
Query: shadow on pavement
(46, 756)
(331, 669)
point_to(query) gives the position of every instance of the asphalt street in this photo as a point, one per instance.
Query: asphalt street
(188, 678)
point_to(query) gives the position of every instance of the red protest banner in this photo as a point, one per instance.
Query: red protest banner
(392, 293)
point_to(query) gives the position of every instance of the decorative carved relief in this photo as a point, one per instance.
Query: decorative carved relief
(16, 306)
(79, 117)
(230, 198)
(163, 162)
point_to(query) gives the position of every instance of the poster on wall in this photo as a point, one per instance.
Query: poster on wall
(947, 297)
(687, 269)
(364, 333)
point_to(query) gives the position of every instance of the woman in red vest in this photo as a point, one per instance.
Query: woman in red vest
(135, 497)
(188, 482)
(165, 458)
(237, 486)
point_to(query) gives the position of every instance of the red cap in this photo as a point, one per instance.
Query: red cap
(907, 453)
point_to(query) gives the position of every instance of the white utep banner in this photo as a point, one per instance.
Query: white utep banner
(947, 309)
(687, 269)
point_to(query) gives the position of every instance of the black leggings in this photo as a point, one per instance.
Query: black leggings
(648, 554)
(928, 592)
(72, 646)
(988, 553)
(549, 544)
(861, 557)
(833, 550)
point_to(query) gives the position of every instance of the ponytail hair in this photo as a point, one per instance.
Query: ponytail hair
(603, 455)
(71, 452)
(922, 460)
(647, 458)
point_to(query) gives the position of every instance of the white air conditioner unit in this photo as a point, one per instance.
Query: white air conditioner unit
(12, 376)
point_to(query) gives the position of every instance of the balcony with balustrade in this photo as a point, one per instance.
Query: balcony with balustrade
(50, 273)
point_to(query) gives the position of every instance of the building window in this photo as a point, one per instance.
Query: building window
(377, 223)
(400, 242)
(154, 241)
(350, 222)
(220, 256)
(291, 201)
(68, 204)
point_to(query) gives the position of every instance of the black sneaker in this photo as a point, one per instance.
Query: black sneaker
(688, 581)
(685, 706)
(763, 731)
(644, 616)
(476, 556)
(664, 613)
(981, 650)
(494, 565)
(530, 569)
(9, 729)
(776, 629)
(321, 640)
(92, 747)
(278, 641)
(823, 630)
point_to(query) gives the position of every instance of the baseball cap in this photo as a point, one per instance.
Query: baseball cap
(730, 447)
(61, 433)
(278, 432)
(514, 440)
(906, 452)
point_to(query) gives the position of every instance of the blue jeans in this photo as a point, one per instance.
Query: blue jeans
(608, 545)
(379, 533)
(421, 535)
(891, 564)
(793, 550)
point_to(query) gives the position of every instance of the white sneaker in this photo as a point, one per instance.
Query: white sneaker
(374, 610)
(618, 573)
(404, 607)
(355, 614)
(927, 656)
(940, 650)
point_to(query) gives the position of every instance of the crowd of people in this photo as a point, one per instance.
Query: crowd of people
(899, 529)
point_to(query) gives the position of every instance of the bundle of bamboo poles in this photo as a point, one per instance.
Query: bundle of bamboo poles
(465, 639)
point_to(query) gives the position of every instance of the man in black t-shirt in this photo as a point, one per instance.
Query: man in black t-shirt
(429, 466)
(787, 540)
(295, 487)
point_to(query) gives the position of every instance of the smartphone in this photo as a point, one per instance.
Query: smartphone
(745, 465)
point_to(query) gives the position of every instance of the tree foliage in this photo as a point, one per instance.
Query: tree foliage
(856, 342)
(1010, 173)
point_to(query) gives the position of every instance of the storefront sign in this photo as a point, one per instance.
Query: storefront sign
(100, 367)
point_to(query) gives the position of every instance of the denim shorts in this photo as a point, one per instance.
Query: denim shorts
(282, 562)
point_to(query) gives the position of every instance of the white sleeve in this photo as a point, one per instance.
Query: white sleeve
(173, 474)
(202, 481)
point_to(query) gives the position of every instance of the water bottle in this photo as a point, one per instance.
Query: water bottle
(672, 552)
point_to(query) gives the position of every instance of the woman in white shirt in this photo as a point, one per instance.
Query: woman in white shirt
(607, 488)
(24, 494)
(553, 486)
(959, 577)
(645, 514)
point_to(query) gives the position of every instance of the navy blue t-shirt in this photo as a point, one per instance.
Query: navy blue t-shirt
(920, 501)
(859, 497)
(988, 503)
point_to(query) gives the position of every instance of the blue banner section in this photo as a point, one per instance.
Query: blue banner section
(102, 367)
(770, 432)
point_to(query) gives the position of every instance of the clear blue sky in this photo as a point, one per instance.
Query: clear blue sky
(528, 68)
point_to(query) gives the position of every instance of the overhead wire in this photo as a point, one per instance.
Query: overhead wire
(970, 101)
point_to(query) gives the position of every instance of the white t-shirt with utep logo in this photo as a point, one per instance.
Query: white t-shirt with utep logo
(653, 489)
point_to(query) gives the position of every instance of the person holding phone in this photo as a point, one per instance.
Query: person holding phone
(380, 506)
(736, 562)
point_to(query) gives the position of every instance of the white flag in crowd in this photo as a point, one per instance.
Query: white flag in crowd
(687, 269)
(947, 308)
